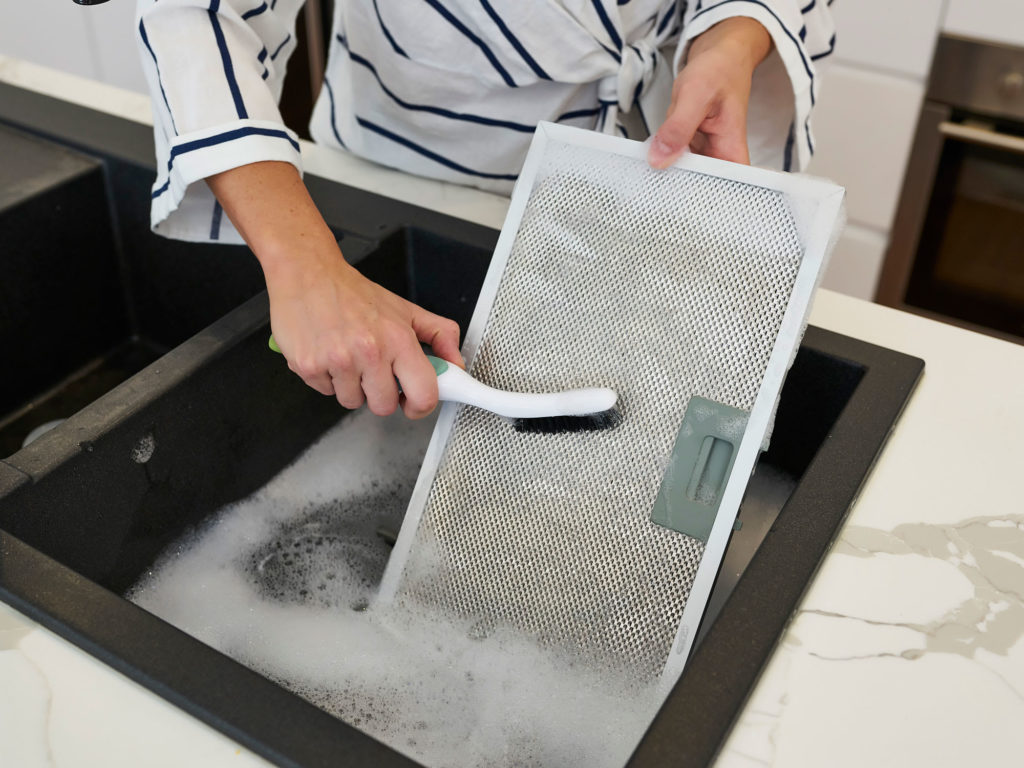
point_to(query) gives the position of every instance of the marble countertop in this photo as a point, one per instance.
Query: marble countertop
(908, 648)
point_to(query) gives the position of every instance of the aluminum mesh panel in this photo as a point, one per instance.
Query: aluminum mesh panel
(660, 285)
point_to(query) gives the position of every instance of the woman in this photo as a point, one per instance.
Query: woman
(450, 89)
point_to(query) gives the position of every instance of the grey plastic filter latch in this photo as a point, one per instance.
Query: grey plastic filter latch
(702, 460)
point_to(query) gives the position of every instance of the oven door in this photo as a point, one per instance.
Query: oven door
(957, 251)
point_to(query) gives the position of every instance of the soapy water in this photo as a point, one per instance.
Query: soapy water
(284, 581)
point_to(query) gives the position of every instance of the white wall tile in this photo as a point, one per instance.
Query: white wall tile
(996, 20)
(894, 35)
(97, 42)
(863, 126)
(113, 29)
(856, 262)
(54, 33)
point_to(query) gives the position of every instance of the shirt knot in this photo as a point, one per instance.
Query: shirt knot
(641, 78)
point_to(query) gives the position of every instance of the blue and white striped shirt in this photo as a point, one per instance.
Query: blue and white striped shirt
(449, 89)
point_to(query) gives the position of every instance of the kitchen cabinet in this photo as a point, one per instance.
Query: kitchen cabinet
(895, 36)
(863, 128)
(856, 261)
(999, 21)
(871, 93)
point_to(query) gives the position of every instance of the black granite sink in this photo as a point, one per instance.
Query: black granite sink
(89, 296)
(202, 415)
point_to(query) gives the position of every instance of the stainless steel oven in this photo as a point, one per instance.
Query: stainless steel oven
(957, 248)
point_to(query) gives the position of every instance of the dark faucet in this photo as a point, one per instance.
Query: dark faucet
(90, 2)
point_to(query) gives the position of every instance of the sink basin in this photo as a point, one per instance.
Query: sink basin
(90, 296)
(209, 416)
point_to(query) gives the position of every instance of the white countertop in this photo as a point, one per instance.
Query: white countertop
(906, 650)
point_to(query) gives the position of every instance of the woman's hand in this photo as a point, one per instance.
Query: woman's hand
(343, 334)
(708, 112)
(347, 336)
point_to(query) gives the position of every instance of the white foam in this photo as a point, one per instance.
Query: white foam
(273, 580)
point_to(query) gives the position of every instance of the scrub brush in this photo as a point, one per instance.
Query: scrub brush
(574, 410)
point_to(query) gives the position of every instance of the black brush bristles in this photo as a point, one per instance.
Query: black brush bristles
(554, 425)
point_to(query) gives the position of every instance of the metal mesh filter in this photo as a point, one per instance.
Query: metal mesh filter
(660, 285)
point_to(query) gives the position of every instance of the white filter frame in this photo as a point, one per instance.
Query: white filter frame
(817, 209)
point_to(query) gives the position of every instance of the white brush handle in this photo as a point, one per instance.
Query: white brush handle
(455, 385)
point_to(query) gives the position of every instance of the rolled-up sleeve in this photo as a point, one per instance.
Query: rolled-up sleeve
(215, 70)
(785, 86)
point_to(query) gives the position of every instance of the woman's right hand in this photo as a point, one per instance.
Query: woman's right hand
(343, 334)
(347, 336)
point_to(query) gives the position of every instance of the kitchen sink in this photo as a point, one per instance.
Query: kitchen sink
(89, 295)
(191, 412)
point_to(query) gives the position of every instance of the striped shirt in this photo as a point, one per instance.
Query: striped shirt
(449, 89)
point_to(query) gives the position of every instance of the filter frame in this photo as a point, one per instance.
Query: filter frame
(817, 208)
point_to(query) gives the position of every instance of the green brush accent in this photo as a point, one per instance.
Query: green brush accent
(440, 366)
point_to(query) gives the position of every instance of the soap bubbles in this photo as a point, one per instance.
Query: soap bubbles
(284, 583)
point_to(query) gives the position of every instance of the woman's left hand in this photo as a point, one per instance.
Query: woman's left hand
(708, 113)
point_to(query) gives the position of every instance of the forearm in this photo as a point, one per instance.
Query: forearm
(743, 39)
(343, 334)
(214, 78)
(272, 210)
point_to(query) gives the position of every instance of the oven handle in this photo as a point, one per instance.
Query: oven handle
(985, 137)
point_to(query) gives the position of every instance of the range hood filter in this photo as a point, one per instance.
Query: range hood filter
(687, 292)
